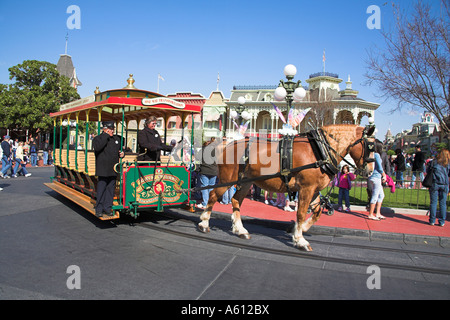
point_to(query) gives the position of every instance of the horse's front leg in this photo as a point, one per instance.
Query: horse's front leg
(236, 201)
(215, 194)
(298, 238)
(316, 212)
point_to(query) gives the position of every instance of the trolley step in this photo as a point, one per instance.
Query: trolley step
(82, 200)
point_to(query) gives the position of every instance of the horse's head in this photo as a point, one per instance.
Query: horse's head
(362, 151)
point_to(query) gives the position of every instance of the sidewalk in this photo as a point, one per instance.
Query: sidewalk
(400, 224)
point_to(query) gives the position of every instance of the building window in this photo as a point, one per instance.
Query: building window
(266, 123)
(212, 125)
(172, 125)
(268, 97)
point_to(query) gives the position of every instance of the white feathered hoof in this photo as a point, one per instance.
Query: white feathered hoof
(302, 244)
(245, 236)
(203, 229)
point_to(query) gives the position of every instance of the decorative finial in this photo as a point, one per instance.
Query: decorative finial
(349, 83)
(97, 91)
(130, 82)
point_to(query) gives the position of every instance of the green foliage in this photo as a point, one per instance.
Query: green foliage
(441, 145)
(37, 91)
(390, 152)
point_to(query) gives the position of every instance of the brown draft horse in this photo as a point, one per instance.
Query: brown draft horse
(265, 160)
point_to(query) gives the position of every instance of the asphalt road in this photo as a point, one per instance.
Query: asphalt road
(52, 249)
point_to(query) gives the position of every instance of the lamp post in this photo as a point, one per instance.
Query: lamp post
(289, 90)
(240, 113)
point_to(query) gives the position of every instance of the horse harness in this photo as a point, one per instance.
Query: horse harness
(322, 151)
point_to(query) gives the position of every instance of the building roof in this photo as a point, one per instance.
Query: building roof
(65, 67)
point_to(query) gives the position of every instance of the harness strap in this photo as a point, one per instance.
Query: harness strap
(286, 152)
(243, 164)
(316, 164)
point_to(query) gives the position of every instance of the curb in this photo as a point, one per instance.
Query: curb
(340, 232)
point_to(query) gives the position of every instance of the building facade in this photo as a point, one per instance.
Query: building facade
(329, 105)
(424, 133)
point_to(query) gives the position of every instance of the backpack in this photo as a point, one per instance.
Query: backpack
(428, 181)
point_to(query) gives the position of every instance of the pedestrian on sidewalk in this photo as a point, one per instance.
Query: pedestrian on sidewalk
(344, 182)
(20, 163)
(375, 183)
(208, 171)
(283, 202)
(226, 197)
(418, 166)
(400, 165)
(33, 152)
(6, 158)
(439, 168)
(45, 152)
(268, 195)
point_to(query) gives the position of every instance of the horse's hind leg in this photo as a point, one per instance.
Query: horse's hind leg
(236, 201)
(214, 195)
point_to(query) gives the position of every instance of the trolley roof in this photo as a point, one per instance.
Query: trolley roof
(136, 104)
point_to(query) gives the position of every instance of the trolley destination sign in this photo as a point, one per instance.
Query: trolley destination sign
(166, 101)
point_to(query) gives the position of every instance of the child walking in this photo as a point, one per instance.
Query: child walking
(344, 182)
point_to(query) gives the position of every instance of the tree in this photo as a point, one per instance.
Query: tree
(415, 67)
(37, 91)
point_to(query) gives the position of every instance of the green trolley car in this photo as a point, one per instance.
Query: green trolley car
(139, 185)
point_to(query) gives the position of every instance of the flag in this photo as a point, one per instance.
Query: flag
(160, 77)
(278, 111)
(323, 58)
(218, 79)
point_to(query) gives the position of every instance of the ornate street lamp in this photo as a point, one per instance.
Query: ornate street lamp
(240, 113)
(289, 90)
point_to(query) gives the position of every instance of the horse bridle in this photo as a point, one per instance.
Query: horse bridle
(368, 148)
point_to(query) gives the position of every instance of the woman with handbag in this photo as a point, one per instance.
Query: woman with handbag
(439, 169)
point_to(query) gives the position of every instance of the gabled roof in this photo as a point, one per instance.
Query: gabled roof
(65, 67)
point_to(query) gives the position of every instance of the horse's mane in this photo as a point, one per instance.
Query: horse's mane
(342, 134)
(340, 129)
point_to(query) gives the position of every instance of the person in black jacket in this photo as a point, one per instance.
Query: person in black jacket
(417, 165)
(107, 147)
(400, 167)
(149, 140)
(6, 158)
(208, 170)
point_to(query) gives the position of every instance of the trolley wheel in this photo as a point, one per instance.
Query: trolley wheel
(330, 212)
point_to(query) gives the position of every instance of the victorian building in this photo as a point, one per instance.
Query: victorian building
(329, 105)
(424, 133)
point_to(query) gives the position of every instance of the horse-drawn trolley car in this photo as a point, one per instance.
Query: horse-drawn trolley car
(140, 185)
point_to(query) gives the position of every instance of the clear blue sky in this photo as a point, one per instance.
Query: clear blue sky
(188, 42)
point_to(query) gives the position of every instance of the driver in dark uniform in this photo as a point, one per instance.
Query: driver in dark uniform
(107, 152)
(149, 139)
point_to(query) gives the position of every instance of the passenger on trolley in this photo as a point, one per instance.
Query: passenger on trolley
(149, 140)
(107, 147)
